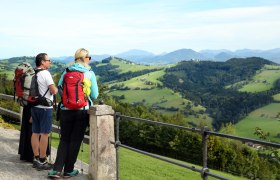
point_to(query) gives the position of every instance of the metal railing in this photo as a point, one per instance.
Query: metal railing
(205, 132)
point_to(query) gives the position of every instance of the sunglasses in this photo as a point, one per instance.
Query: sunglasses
(88, 57)
(48, 60)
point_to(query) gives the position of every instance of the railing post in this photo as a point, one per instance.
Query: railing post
(102, 163)
(205, 136)
(117, 118)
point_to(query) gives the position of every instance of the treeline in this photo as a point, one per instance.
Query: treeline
(204, 82)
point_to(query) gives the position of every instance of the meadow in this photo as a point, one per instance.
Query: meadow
(267, 118)
(263, 80)
(126, 66)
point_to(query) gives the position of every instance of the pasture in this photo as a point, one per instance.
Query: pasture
(263, 80)
(126, 66)
(267, 118)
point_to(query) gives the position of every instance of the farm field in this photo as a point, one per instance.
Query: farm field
(267, 118)
(263, 80)
(126, 66)
(142, 81)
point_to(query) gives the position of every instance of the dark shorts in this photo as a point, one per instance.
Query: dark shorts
(41, 120)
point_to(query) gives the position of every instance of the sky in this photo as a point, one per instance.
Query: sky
(60, 27)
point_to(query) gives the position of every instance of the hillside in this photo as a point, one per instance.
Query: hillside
(267, 117)
(192, 84)
(204, 82)
(201, 91)
(140, 85)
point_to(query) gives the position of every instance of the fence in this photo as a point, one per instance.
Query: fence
(104, 145)
(205, 133)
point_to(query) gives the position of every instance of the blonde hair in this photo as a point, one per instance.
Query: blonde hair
(80, 55)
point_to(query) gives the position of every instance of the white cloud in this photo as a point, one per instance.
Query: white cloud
(157, 26)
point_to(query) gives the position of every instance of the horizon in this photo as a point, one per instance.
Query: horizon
(59, 28)
(163, 53)
(148, 52)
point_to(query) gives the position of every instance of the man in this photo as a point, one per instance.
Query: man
(41, 114)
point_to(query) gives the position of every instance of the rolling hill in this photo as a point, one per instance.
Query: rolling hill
(204, 92)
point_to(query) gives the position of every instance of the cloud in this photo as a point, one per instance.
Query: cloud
(157, 26)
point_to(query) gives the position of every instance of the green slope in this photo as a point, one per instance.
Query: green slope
(263, 80)
(267, 118)
(126, 66)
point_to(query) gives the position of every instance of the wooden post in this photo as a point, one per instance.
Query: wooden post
(102, 151)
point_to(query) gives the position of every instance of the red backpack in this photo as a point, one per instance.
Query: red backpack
(73, 95)
(26, 85)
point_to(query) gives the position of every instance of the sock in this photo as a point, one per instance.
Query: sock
(36, 157)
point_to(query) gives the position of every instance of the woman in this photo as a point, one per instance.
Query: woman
(74, 120)
(25, 149)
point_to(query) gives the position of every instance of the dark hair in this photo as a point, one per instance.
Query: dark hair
(39, 58)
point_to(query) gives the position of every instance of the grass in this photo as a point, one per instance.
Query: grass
(263, 80)
(161, 97)
(164, 98)
(266, 118)
(125, 66)
(276, 97)
(137, 166)
(140, 81)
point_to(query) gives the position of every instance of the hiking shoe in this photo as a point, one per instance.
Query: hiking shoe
(35, 162)
(44, 165)
(54, 174)
(75, 172)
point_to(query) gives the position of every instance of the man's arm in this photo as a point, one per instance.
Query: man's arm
(53, 89)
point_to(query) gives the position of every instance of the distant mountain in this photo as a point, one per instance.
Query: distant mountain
(177, 56)
(145, 57)
(223, 56)
(135, 55)
(165, 58)
(212, 53)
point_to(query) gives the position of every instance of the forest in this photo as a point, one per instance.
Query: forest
(204, 82)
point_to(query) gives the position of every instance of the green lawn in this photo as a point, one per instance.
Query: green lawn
(264, 118)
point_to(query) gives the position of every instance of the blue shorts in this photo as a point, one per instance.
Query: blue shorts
(41, 120)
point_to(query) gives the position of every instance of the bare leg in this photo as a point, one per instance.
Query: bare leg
(43, 144)
(35, 143)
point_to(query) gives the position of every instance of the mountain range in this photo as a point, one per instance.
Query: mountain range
(145, 57)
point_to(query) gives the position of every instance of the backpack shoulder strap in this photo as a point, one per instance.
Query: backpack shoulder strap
(37, 71)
